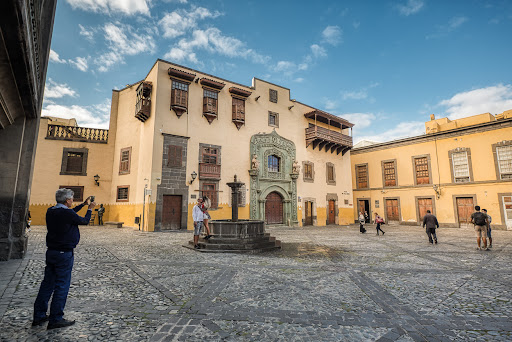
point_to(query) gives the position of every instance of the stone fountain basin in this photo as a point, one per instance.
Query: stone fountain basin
(242, 229)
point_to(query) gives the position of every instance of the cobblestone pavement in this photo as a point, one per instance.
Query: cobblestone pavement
(326, 284)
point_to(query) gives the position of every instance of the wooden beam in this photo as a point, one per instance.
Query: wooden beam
(345, 150)
(328, 146)
(321, 145)
(315, 143)
(334, 147)
(338, 150)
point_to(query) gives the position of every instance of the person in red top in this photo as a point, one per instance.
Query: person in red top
(378, 220)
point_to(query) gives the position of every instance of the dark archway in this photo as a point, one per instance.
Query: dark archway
(274, 208)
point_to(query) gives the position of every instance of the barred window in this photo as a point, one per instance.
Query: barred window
(460, 167)
(504, 154)
(179, 85)
(362, 176)
(389, 174)
(421, 170)
(273, 119)
(272, 94)
(123, 193)
(273, 163)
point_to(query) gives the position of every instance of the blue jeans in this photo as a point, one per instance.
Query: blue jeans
(57, 278)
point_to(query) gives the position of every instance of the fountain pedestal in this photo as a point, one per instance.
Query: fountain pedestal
(237, 236)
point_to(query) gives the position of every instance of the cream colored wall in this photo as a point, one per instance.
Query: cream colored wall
(47, 167)
(485, 188)
(236, 143)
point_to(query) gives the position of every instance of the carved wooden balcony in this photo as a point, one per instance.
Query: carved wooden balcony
(328, 139)
(209, 171)
(210, 108)
(143, 105)
(179, 101)
(73, 133)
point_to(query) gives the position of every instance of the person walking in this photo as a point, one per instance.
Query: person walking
(479, 219)
(361, 223)
(61, 239)
(430, 222)
(101, 211)
(379, 220)
(206, 216)
(489, 220)
(198, 217)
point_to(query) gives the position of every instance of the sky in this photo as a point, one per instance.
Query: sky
(384, 65)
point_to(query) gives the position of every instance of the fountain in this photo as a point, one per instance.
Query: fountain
(237, 236)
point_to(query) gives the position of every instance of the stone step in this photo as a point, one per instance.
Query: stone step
(217, 240)
(243, 251)
(235, 246)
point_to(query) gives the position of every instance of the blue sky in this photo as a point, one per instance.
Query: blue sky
(383, 65)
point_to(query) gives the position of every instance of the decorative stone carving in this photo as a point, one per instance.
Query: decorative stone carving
(255, 164)
(295, 167)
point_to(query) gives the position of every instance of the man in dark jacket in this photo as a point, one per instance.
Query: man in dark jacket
(61, 239)
(430, 222)
(480, 221)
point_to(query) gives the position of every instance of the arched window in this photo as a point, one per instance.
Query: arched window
(273, 163)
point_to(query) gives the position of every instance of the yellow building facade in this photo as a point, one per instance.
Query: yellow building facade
(455, 166)
(179, 134)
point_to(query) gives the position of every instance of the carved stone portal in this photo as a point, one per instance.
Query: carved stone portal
(263, 181)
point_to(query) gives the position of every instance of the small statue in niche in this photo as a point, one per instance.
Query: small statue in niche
(295, 167)
(255, 163)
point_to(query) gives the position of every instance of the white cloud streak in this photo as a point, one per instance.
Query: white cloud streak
(179, 22)
(87, 33)
(81, 63)
(57, 90)
(410, 7)
(54, 57)
(332, 35)
(494, 100)
(95, 116)
(402, 130)
(452, 25)
(127, 7)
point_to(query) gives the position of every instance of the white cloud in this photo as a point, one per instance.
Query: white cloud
(214, 41)
(54, 57)
(81, 63)
(410, 7)
(332, 35)
(177, 23)
(360, 120)
(87, 33)
(402, 130)
(318, 51)
(453, 24)
(128, 7)
(494, 100)
(330, 105)
(57, 90)
(96, 116)
(123, 40)
(354, 95)
(299, 80)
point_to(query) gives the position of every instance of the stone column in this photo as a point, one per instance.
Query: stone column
(17, 150)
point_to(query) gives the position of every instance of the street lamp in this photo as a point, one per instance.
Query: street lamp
(193, 175)
(97, 180)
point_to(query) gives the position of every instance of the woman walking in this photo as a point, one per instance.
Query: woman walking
(361, 223)
(378, 220)
(206, 206)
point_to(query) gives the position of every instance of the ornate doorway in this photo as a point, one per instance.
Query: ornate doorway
(274, 209)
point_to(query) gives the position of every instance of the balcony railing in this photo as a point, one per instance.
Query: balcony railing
(209, 171)
(73, 133)
(323, 137)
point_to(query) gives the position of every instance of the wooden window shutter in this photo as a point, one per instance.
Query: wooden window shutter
(174, 156)
(74, 162)
(124, 162)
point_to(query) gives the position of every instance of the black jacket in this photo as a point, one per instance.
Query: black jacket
(62, 225)
(430, 221)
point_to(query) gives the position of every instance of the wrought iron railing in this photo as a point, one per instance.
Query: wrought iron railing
(73, 133)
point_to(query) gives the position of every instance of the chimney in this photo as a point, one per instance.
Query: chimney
(432, 117)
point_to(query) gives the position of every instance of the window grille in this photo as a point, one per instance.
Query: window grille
(362, 176)
(504, 154)
(421, 169)
(389, 174)
(460, 167)
(273, 163)
(123, 193)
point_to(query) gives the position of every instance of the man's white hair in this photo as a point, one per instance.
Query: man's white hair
(62, 195)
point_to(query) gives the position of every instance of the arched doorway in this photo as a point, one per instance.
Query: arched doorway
(274, 208)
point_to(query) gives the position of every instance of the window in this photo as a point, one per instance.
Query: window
(78, 192)
(123, 193)
(273, 163)
(273, 119)
(389, 173)
(124, 163)
(74, 161)
(504, 155)
(330, 174)
(362, 176)
(174, 156)
(210, 102)
(209, 190)
(460, 167)
(210, 155)
(308, 171)
(421, 170)
(238, 108)
(272, 95)
(179, 94)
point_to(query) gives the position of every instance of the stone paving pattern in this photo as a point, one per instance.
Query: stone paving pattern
(326, 284)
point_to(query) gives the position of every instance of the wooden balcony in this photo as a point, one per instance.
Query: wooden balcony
(328, 139)
(73, 133)
(209, 171)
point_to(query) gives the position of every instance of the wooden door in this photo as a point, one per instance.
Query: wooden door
(332, 213)
(507, 209)
(274, 209)
(309, 213)
(424, 204)
(465, 208)
(171, 212)
(392, 210)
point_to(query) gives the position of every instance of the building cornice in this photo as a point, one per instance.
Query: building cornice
(485, 127)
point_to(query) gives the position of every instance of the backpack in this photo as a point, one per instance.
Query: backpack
(479, 219)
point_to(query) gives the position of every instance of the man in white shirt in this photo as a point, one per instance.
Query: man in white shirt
(197, 216)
